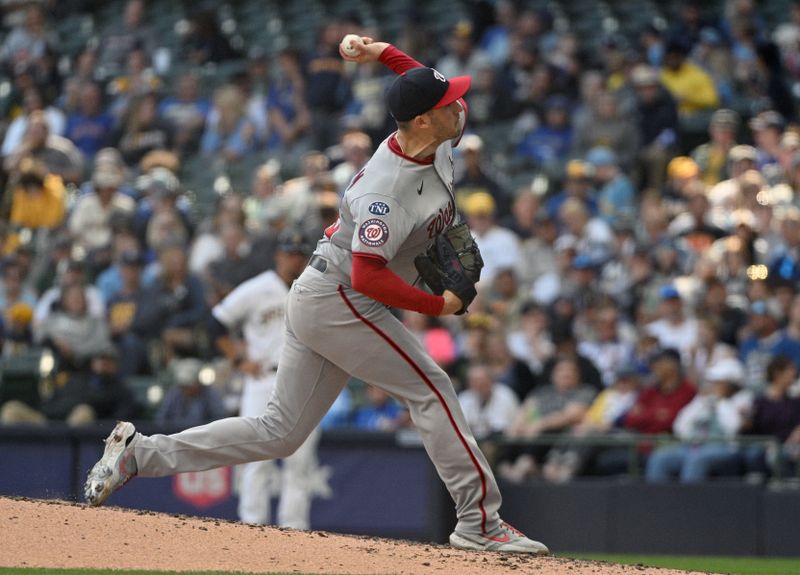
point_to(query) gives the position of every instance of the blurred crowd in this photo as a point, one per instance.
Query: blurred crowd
(634, 202)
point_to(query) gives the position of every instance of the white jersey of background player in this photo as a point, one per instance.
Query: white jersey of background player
(258, 307)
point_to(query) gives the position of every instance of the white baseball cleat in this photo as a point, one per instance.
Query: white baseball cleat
(503, 538)
(115, 468)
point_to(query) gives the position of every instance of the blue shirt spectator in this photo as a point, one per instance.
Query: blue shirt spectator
(616, 196)
(90, 127)
(382, 413)
(189, 402)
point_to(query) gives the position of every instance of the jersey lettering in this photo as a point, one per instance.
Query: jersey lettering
(441, 220)
(373, 233)
(272, 314)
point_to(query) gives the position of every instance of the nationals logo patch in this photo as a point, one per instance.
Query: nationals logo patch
(378, 208)
(373, 233)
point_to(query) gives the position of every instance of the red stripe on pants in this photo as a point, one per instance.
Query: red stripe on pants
(432, 387)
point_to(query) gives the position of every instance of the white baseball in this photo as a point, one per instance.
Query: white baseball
(347, 45)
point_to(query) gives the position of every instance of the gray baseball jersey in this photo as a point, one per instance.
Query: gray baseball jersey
(393, 209)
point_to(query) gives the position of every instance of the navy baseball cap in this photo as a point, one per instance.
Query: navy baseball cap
(420, 90)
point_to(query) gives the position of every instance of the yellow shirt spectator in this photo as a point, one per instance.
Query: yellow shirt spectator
(38, 205)
(691, 87)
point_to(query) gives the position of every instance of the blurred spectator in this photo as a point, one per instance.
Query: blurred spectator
(548, 145)
(138, 80)
(462, 58)
(33, 101)
(566, 346)
(691, 87)
(726, 195)
(264, 203)
(90, 126)
(593, 236)
(380, 413)
(239, 261)
(12, 287)
(713, 55)
(767, 129)
(185, 113)
(230, 135)
(477, 177)
(705, 427)
(161, 200)
(499, 246)
(488, 406)
(658, 124)
(552, 408)
(123, 301)
(673, 329)
(38, 199)
(606, 350)
(496, 39)
(118, 41)
(531, 341)
(357, 149)
(189, 402)
(658, 405)
(578, 183)
(787, 265)
(709, 350)
(17, 335)
(326, 88)
(367, 110)
(59, 155)
(488, 101)
(695, 225)
(204, 41)
(652, 42)
(84, 398)
(71, 331)
(91, 218)
(615, 193)
(788, 343)
(605, 126)
(167, 313)
(775, 412)
(141, 130)
(28, 44)
(289, 116)
(771, 81)
(712, 157)
(504, 299)
(607, 409)
(755, 350)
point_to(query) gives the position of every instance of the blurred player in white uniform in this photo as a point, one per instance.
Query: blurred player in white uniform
(258, 308)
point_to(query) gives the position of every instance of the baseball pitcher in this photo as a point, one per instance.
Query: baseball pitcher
(400, 205)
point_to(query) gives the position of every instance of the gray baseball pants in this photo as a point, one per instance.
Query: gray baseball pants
(334, 332)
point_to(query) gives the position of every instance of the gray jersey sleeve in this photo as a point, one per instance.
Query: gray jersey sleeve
(381, 225)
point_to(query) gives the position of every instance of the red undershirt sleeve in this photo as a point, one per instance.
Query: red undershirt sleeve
(371, 277)
(397, 60)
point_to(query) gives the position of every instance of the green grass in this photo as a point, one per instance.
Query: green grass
(727, 565)
(39, 571)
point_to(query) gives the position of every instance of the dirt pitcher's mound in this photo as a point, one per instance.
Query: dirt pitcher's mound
(59, 534)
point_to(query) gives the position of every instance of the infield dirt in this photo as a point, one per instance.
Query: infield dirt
(59, 534)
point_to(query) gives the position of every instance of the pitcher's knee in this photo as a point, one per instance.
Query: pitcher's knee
(283, 437)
